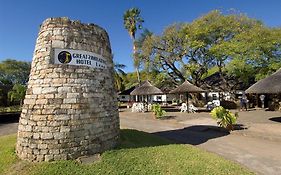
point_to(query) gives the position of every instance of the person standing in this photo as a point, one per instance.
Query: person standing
(262, 97)
(244, 102)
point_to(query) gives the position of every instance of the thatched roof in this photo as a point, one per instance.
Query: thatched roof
(268, 85)
(127, 91)
(146, 89)
(186, 87)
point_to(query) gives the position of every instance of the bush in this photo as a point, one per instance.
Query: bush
(224, 117)
(17, 94)
(158, 111)
(199, 103)
(16, 108)
(229, 104)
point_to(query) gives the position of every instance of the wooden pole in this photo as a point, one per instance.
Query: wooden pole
(187, 101)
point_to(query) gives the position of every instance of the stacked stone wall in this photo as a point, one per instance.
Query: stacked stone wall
(69, 110)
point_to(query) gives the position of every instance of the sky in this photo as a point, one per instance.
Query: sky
(20, 19)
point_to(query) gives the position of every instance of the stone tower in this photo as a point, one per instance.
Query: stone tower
(70, 108)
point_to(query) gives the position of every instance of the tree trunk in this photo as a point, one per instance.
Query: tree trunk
(134, 57)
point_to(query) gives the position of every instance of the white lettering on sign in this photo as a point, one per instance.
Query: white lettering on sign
(78, 58)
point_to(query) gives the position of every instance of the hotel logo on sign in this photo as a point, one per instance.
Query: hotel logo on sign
(78, 58)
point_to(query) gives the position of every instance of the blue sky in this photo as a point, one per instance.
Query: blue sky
(20, 20)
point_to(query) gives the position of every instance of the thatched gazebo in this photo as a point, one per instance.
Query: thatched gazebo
(268, 85)
(186, 88)
(147, 89)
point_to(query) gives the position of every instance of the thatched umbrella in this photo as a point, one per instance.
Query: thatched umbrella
(186, 88)
(146, 89)
(268, 85)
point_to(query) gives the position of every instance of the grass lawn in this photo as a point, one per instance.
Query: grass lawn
(137, 153)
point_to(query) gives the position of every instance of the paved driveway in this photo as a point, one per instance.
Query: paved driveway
(8, 123)
(257, 150)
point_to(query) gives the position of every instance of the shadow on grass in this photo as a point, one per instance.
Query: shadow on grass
(194, 135)
(12, 117)
(130, 138)
(275, 119)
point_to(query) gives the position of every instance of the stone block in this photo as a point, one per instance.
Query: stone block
(69, 100)
(37, 90)
(64, 129)
(39, 117)
(54, 151)
(58, 44)
(44, 151)
(42, 146)
(49, 96)
(23, 121)
(39, 158)
(73, 95)
(66, 106)
(46, 136)
(55, 101)
(36, 136)
(60, 157)
(41, 123)
(29, 101)
(47, 90)
(62, 117)
(49, 158)
(59, 135)
(41, 101)
(64, 89)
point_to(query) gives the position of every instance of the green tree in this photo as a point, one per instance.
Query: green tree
(213, 41)
(206, 37)
(255, 53)
(143, 64)
(17, 94)
(132, 22)
(13, 71)
(166, 52)
(119, 76)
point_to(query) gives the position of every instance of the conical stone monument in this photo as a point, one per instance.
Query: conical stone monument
(70, 108)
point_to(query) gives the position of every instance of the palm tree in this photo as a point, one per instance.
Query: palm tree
(119, 75)
(132, 22)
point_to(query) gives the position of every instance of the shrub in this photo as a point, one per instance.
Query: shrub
(158, 111)
(229, 104)
(199, 103)
(16, 108)
(224, 117)
(17, 93)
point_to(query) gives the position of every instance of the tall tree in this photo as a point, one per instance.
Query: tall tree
(166, 52)
(145, 65)
(189, 50)
(13, 71)
(119, 76)
(132, 22)
(259, 50)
